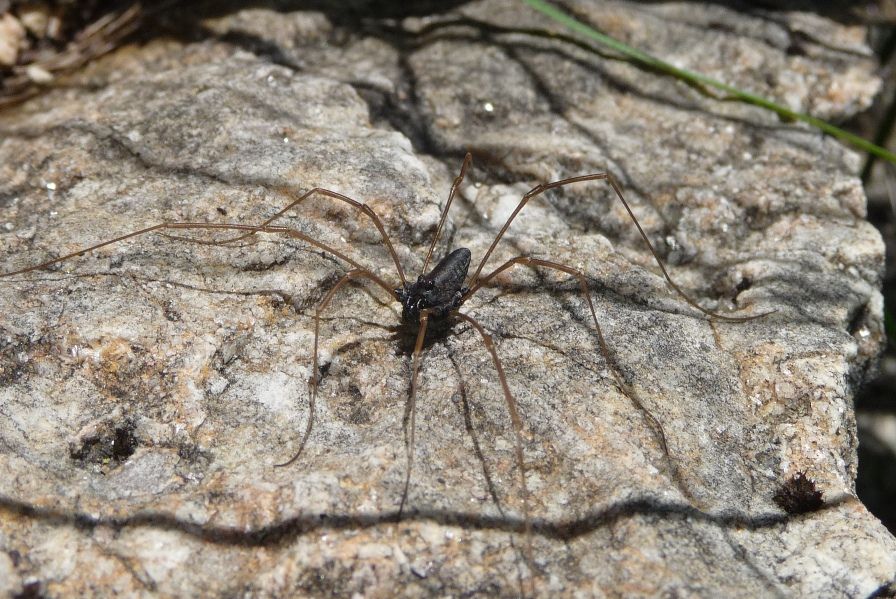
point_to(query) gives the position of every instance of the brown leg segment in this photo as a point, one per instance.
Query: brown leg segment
(517, 422)
(602, 342)
(206, 226)
(314, 379)
(412, 406)
(468, 159)
(317, 190)
(538, 190)
(605, 352)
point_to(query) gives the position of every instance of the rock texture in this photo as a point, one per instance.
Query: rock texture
(147, 389)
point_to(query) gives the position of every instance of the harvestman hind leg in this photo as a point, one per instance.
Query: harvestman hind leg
(517, 422)
(314, 379)
(468, 160)
(367, 210)
(508, 396)
(411, 411)
(602, 342)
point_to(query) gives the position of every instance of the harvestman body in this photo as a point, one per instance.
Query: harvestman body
(436, 296)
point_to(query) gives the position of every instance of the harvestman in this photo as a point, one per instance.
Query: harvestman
(435, 297)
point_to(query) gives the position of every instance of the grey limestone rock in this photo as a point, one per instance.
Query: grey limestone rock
(147, 389)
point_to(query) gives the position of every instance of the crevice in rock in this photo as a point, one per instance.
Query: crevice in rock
(283, 533)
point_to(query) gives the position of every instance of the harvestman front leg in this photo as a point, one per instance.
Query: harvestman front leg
(468, 160)
(540, 189)
(314, 379)
(364, 208)
(202, 226)
(423, 323)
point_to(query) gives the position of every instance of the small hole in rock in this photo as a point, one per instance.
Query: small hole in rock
(857, 318)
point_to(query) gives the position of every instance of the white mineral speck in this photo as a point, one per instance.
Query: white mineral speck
(275, 391)
(489, 107)
(38, 75)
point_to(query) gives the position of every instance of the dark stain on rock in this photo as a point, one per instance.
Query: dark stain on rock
(30, 590)
(799, 495)
(192, 453)
(16, 361)
(111, 445)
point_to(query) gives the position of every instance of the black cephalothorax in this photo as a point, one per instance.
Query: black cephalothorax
(441, 290)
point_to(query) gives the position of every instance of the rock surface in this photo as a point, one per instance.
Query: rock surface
(147, 389)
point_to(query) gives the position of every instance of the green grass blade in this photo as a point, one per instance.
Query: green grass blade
(646, 60)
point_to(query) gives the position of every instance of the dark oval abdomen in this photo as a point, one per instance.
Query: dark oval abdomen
(449, 274)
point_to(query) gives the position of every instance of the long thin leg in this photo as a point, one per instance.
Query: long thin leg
(326, 193)
(539, 189)
(602, 342)
(477, 448)
(314, 379)
(468, 159)
(517, 422)
(412, 406)
(214, 226)
(471, 429)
